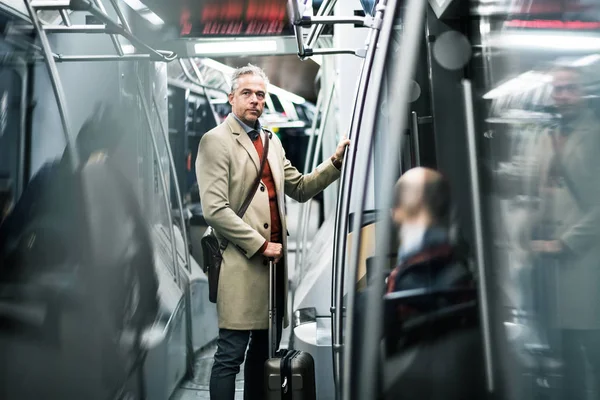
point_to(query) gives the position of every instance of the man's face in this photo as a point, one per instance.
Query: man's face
(248, 100)
(409, 204)
(566, 91)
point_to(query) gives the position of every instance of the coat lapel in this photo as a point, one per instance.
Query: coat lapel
(570, 156)
(275, 165)
(277, 172)
(243, 140)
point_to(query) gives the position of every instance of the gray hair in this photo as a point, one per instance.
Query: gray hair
(247, 70)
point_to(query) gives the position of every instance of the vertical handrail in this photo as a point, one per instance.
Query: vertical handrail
(478, 229)
(339, 244)
(65, 17)
(367, 134)
(147, 114)
(315, 30)
(342, 211)
(202, 84)
(184, 286)
(296, 16)
(56, 86)
(307, 163)
(121, 16)
(315, 160)
(165, 133)
(414, 16)
(415, 137)
(341, 226)
(113, 37)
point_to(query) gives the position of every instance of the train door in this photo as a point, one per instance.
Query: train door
(437, 353)
(83, 273)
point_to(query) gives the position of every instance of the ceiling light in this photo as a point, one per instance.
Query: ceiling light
(540, 41)
(522, 83)
(243, 47)
(152, 17)
(137, 5)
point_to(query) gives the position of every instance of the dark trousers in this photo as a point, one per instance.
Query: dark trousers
(231, 349)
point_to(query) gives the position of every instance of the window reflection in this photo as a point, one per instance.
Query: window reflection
(542, 112)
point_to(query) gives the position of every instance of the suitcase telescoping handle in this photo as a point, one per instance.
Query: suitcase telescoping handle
(272, 308)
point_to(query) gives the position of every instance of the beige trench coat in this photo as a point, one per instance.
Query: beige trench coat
(577, 293)
(226, 166)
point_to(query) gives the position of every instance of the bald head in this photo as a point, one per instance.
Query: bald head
(422, 196)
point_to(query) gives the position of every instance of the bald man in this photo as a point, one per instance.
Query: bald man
(426, 257)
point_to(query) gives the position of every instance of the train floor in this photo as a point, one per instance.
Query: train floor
(196, 388)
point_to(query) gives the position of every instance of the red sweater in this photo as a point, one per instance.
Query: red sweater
(267, 178)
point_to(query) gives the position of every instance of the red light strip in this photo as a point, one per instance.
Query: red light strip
(235, 17)
(552, 24)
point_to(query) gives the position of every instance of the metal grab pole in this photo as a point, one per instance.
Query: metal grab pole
(307, 163)
(187, 287)
(121, 16)
(186, 284)
(342, 229)
(415, 137)
(201, 84)
(478, 228)
(176, 271)
(177, 189)
(368, 372)
(315, 30)
(367, 137)
(65, 17)
(113, 37)
(297, 29)
(56, 86)
(272, 335)
(315, 160)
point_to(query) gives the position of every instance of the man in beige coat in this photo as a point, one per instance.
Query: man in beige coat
(566, 233)
(227, 164)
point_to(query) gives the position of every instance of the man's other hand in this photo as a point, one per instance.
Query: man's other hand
(274, 250)
(341, 148)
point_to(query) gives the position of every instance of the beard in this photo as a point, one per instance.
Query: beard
(411, 237)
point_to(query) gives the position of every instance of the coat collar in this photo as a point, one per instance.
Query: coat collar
(243, 139)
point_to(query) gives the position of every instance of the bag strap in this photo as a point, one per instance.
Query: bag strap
(254, 187)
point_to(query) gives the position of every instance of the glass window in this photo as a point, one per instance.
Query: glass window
(277, 103)
(537, 125)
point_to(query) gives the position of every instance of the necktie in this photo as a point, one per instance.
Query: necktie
(253, 135)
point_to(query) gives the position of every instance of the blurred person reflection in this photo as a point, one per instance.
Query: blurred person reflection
(93, 143)
(565, 232)
(427, 256)
(52, 230)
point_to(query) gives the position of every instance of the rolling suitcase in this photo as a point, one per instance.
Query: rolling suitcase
(289, 374)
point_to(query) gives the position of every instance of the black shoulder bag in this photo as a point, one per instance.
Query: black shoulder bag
(212, 251)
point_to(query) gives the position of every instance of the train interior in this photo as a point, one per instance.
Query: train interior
(103, 292)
